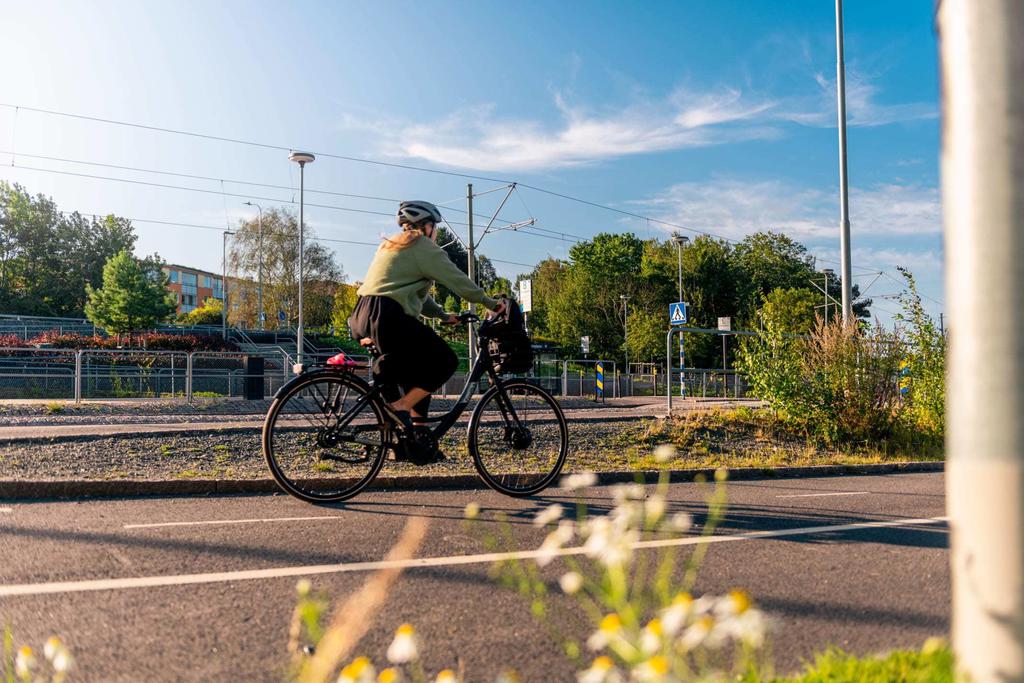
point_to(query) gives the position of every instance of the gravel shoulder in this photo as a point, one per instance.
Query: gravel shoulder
(601, 446)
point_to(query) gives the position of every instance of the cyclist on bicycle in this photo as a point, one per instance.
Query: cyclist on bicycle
(395, 293)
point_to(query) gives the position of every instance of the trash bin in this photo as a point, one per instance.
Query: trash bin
(253, 384)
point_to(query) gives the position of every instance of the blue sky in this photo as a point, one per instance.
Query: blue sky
(716, 115)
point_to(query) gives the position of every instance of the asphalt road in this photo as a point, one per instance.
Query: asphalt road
(176, 602)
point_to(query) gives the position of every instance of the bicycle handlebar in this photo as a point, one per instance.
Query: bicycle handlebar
(468, 317)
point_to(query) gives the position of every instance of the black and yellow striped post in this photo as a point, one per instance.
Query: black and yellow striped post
(599, 384)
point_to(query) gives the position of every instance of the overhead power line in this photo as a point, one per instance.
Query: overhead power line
(376, 162)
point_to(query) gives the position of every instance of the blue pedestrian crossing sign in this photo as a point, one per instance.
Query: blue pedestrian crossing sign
(677, 313)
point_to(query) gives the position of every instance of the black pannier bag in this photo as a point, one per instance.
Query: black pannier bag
(507, 342)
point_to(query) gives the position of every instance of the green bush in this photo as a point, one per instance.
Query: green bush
(925, 360)
(839, 384)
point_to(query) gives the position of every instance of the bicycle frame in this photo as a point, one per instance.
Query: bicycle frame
(481, 366)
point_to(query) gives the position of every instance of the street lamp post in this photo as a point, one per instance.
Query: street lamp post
(259, 287)
(625, 328)
(224, 286)
(681, 241)
(301, 158)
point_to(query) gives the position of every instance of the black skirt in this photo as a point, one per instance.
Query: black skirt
(412, 353)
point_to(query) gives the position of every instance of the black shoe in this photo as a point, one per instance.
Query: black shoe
(400, 418)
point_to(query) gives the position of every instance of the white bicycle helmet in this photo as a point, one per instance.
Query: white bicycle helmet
(416, 211)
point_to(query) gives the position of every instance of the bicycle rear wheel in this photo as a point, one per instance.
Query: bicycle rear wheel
(324, 438)
(518, 438)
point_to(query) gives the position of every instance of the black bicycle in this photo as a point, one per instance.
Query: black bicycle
(327, 433)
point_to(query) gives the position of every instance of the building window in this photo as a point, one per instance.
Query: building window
(206, 281)
(172, 275)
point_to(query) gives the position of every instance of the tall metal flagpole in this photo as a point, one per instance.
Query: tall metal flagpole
(982, 67)
(844, 202)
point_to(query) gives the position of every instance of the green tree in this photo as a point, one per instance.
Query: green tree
(209, 313)
(133, 297)
(47, 257)
(790, 311)
(280, 250)
(344, 303)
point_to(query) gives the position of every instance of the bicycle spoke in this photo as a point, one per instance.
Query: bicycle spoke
(325, 440)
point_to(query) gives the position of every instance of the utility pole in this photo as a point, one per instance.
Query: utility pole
(846, 271)
(471, 265)
(982, 66)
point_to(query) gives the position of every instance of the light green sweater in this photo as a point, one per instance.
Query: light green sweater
(406, 275)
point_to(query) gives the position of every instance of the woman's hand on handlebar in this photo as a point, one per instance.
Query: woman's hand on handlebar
(452, 319)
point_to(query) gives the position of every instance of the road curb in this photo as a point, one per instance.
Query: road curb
(64, 489)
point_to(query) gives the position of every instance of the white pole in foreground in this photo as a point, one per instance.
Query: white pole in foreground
(301, 158)
(982, 58)
(846, 270)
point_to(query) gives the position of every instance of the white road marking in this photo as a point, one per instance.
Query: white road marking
(310, 570)
(211, 522)
(820, 495)
(6, 509)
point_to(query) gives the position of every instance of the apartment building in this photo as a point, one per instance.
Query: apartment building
(192, 286)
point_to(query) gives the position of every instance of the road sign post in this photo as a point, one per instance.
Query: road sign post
(724, 325)
(599, 382)
(678, 315)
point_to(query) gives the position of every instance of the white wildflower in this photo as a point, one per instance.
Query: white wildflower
(52, 647)
(650, 637)
(446, 676)
(736, 602)
(694, 636)
(664, 453)
(680, 521)
(551, 513)
(580, 480)
(562, 534)
(390, 675)
(303, 587)
(602, 670)
(654, 509)
(359, 671)
(571, 582)
(63, 661)
(403, 648)
(25, 662)
(609, 628)
(750, 627)
(472, 511)
(624, 492)
(654, 670)
(674, 617)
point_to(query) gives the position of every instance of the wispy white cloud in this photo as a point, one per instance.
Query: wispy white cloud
(863, 107)
(735, 208)
(480, 137)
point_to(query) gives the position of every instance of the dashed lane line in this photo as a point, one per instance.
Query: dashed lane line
(213, 522)
(413, 563)
(6, 510)
(822, 495)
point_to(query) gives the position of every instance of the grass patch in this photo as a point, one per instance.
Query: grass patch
(745, 437)
(933, 664)
(54, 408)
(188, 474)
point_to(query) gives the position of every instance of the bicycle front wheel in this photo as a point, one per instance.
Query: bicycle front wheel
(518, 438)
(324, 437)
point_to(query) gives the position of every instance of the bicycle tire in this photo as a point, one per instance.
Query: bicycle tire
(514, 481)
(300, 474)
